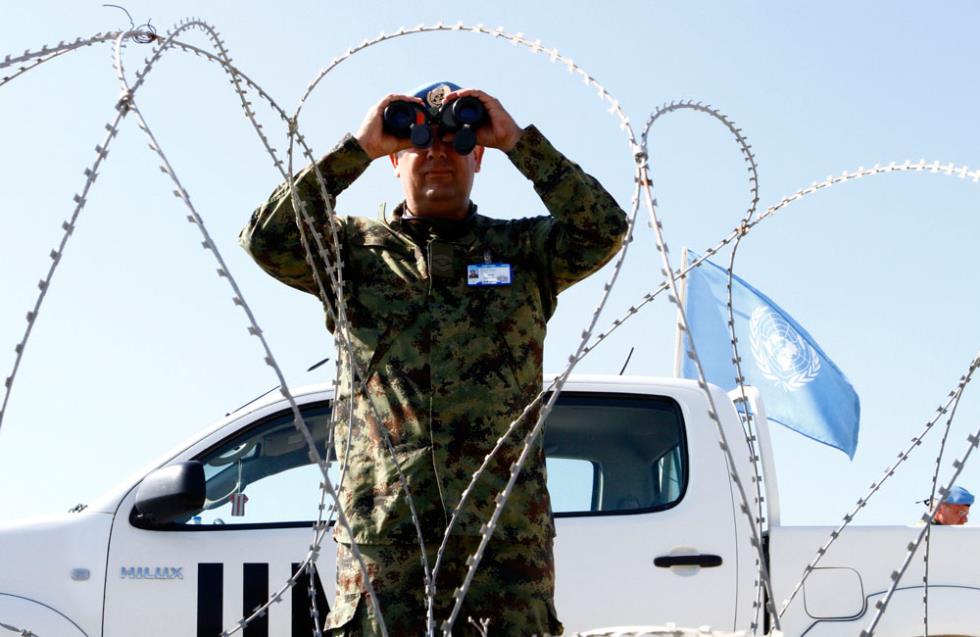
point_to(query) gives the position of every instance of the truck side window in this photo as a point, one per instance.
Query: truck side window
(606, 454)
(264, 475)
(572, 483)
(615, 453)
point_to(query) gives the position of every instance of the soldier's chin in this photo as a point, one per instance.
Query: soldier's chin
(443, 199)
(441, 192)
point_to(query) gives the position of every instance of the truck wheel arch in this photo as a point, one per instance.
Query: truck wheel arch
(905, 610)
(37, 617)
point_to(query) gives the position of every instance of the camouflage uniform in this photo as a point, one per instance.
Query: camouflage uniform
(446, 365)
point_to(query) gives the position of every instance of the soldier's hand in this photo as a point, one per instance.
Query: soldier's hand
(372, 136)
(501, 131)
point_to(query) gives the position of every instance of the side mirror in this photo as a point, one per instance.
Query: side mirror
(167, 494)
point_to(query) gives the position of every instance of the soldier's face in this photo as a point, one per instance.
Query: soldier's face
(952, 513)
(437, 180)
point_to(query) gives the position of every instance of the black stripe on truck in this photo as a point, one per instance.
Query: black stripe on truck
(255, 593)
(302, 622)
(210, 585)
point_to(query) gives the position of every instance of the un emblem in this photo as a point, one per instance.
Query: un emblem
(781, 354)
(437, 96)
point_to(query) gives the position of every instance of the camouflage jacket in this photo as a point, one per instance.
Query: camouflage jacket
(448, 366)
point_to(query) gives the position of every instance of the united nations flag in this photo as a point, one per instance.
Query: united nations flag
(801, 386)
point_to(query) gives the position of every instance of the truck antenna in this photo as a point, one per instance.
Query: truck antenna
(315, 365)
(628, 357)
(266, 393)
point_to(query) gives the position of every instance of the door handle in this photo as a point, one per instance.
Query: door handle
(703, 559)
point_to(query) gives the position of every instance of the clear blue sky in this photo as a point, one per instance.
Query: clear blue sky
(138, 345)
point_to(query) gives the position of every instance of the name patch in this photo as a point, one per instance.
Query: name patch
(488, 274)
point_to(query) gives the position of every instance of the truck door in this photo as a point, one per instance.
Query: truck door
(201, 575)
(644, 513)
(645, 532)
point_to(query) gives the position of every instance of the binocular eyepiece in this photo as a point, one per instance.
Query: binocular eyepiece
(461, 118)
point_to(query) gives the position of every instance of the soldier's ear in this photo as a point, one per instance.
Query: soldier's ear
(478, 158)
(394, 162)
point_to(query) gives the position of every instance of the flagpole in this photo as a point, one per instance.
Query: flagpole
(679, 336)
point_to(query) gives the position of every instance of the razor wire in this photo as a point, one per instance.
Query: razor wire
(750, 436)
(320, 526)
(518, 39)
(882, 604)
(237, 78)
(336, 283)
(682, 325)
(308, 565)
(114, 128)
(128, 104)
(235, 73)
(33, 59)
(68, 227)
(640, 157)
(498, 32)
(535, 47)
(487, 529)
(91, 174)
(932, 497)
(300, 207)
(934, 167)
(23, 632)
(323, 465)
(922, 165)
(38, 61)
(943, 409)
(500, 500)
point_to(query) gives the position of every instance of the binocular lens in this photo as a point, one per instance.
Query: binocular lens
(399, 117)
(468, 110)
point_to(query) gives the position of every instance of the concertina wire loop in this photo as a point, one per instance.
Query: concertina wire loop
(47, 54)
(292, 129)
(750, 437)
(254, 330)
(473, 561)
(320, 526)
(128, 104)
(102, 150)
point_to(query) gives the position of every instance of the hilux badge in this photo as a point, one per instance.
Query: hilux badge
(151, 572)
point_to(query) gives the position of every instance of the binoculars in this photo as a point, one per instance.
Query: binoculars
(460, 117)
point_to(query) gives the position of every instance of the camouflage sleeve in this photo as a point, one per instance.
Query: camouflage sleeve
(586, 227)
(272, 236)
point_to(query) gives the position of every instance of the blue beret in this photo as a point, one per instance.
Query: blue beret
(433, 94)
(958, 495)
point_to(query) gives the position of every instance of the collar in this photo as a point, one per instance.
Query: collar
(421, 230)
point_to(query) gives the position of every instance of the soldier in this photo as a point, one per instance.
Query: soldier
(955, 507)
(447, 311)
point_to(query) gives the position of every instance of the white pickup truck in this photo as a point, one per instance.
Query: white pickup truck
(649, 532)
